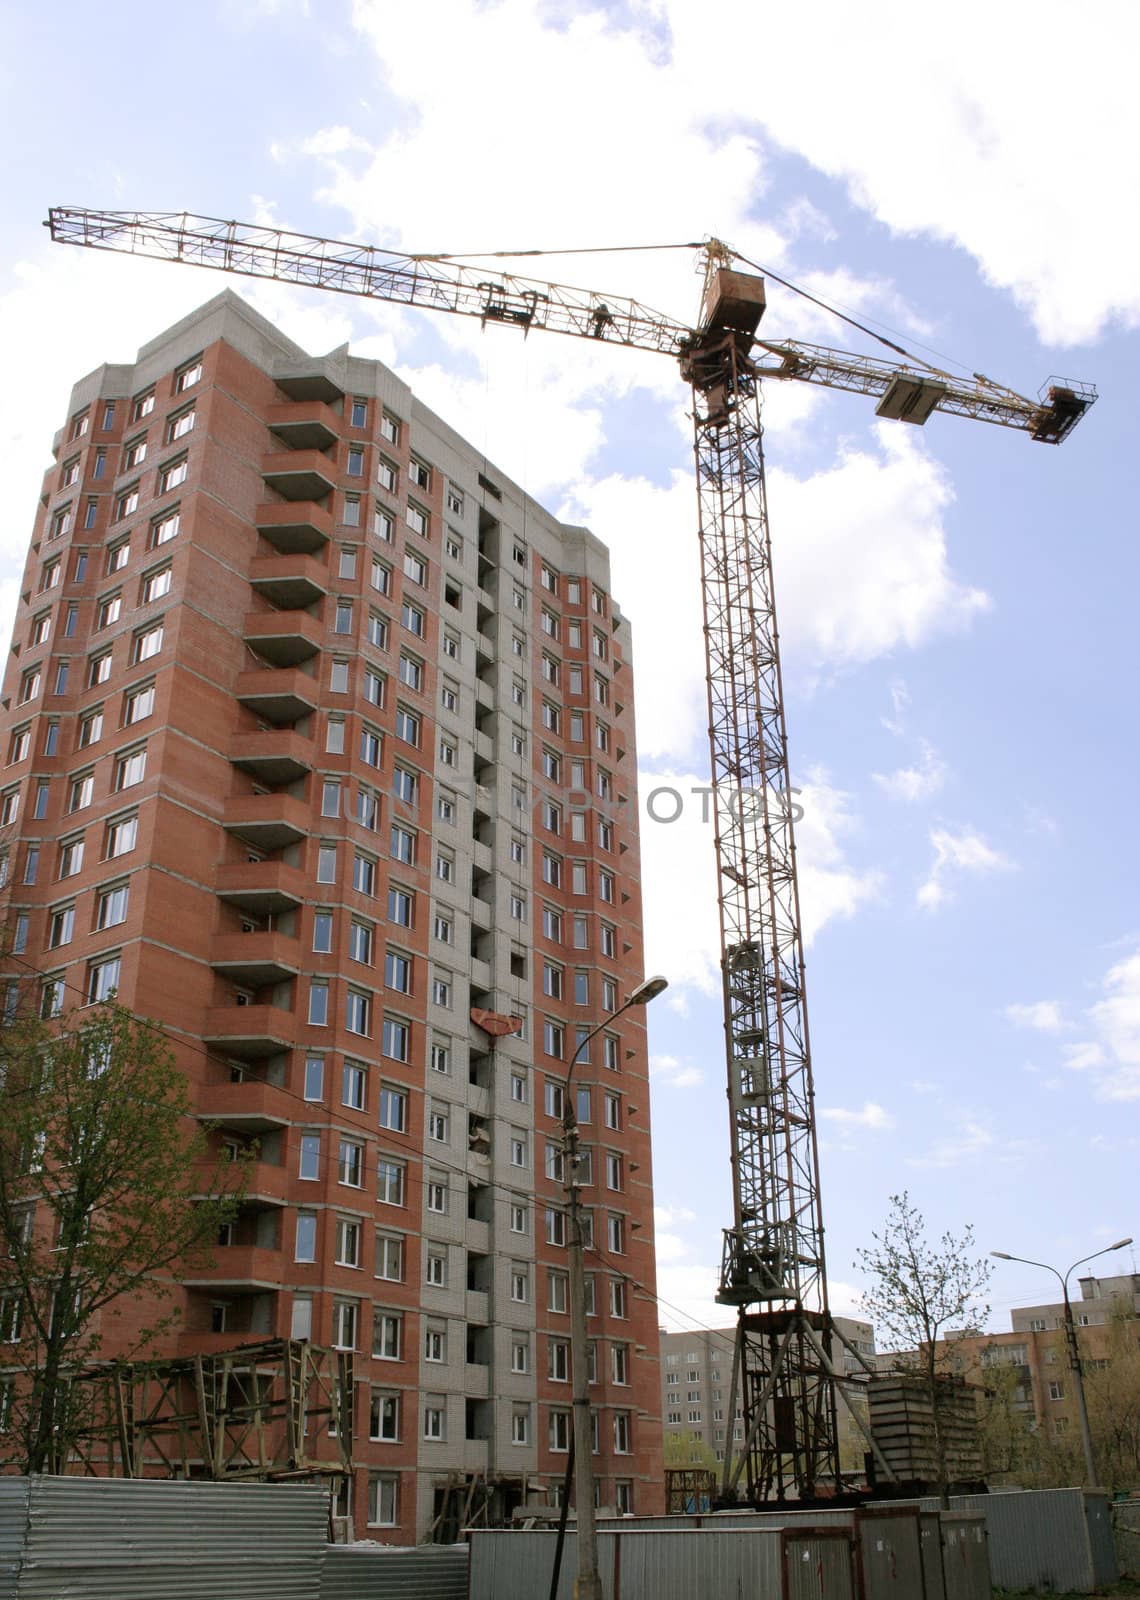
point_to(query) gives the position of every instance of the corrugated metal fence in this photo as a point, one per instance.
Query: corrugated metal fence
(116, 1539)
(426, 1572)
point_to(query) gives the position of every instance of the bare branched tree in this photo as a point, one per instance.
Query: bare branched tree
(106, 1194)
(919, 1291)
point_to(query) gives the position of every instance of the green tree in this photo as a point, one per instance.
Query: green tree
(917, 1291)
(107, 1191)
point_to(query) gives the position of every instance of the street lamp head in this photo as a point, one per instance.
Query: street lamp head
(1002, 1255)
(1120, 1243)
(649, 989)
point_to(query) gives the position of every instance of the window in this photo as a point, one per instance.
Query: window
(390, 1257)
(318, 1003)
(384, 1417)
(418, 520)
(445, 867)
(439, 1124)
(363, 874)
(396, 1039)
(407, 726)
(360, 942)
(314, 1078)
(553, 1038)
(350, 1163)
(358, 1012)
(130, 768)
(111, 906)
(441, 990)
(354, 1081)
(367, 808)
(171, 477)
(347, 1242)
(1056, 1391)
(555, 1226)
(518, 1148)
(342, 617)
(179, 425)
(520, 1282)
(373, 687)
(186, 377)
(415, 567)
(30, 685)
(50, 575)
(102, 979)
(350, 516)
(393, 1109)
(552, 980)
(354, 466)
(390, 428)
(377, 630)
(387, 1335)
(344, 1324)
(346, 561)
(448, 753)
(615, 1233)
(371, 746)
(383, 527)
(61, 926)
(606, 886)
(387, 476)
(390, 1181)
(551, 869)
(143, 406)
(80, 793)
(137, 704)
(147, 644)
(453, 545)
(398, 972)
(552, 765)
(20, 743)
(91, 509)
(618, 1298)
(122, 835)
(413, 619)
(613, 1170)
(440, 1056)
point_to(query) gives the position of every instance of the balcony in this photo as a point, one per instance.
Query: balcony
(484, 749)
(277, 694)
(299, 474)
(243, 1267)
(304, 424)
(256, 959)
(269, 821)
(480, 974)
(249, 1032)
(482, 856)
(277, 756)
(476, 1313)
(476, 1380)
(295, 529)
(481, 912)
(484, 695)
(252, 1106)
(292, 581)
(283, 638)
(313, 385)
(263, 888)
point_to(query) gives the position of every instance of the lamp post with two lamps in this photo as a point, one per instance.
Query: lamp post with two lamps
(1071, 1340)
(588, 1586)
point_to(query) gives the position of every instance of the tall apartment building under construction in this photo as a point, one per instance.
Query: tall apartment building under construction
(320, 751)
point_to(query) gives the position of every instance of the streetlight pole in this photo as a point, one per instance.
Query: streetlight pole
(1071, 1341)
(588, 1585)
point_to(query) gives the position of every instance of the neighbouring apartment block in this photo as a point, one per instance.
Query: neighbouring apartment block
(696, 1384)
(320, 750)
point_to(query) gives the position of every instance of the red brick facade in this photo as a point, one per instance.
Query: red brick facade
(351, 722)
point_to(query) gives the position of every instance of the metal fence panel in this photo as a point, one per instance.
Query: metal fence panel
(816, 1565)
(965, 1556)
(930, 1532)
(13, 1528)
(890, 1553)
(122, 1539)
(1098, 1518)
(424, 1572)
(1038, 1539)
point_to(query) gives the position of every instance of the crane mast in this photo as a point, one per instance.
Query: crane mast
(773, 1269)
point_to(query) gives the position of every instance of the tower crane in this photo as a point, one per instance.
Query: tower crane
(773, 1270)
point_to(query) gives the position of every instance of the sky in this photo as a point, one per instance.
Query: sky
(956, 603)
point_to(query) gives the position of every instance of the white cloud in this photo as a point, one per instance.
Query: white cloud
(1113, 1057)
(860, 556)
(971, 169)
(1043, 1015)
(682, 932)
(963, 1145)
(675, 1073)
(686, 1298)
(956, 854)
(900, 699)
(872, 1117)
(911, 784)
